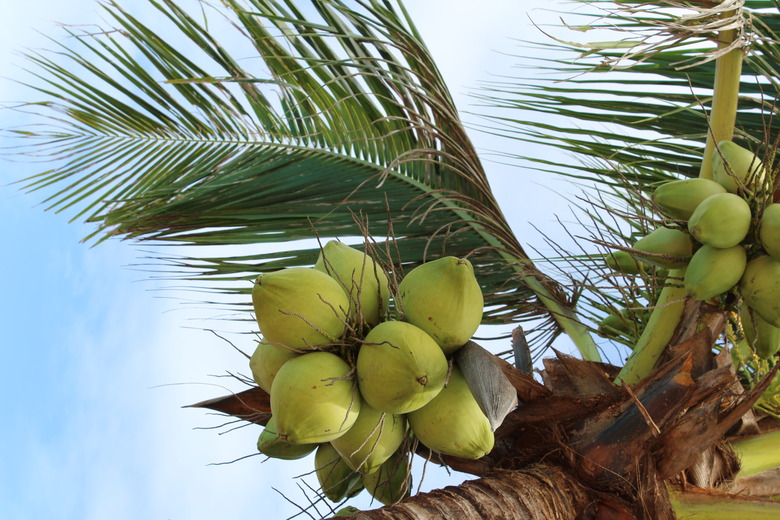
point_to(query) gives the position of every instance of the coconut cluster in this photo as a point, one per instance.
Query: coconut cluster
(357, 369)
(725, 233)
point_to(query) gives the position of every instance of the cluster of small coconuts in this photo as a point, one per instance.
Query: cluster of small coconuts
(725, 232)
(357, 379)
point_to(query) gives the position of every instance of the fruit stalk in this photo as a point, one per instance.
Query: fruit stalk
(659, 330)
(725, 96)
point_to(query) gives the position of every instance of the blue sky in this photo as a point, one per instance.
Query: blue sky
(98, 359)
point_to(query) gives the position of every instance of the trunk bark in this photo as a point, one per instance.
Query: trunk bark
(538, 492)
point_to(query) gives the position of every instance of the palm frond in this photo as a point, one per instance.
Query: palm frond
(334, 121)
(655, 119)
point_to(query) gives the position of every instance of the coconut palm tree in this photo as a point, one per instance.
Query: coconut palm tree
(343, 127)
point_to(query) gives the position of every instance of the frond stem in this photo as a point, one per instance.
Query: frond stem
(563, 315)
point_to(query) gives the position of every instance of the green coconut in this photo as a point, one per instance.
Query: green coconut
(737, 168)
(763, 337)
(314, 398)
(760, 288)
(362, 278)
(373, 438)
(678, 199)
(300, 307)
(453, 423)
(392, 482)
(266, 362)
(400, 368)
(444, 299)
(616, 324)
(271, 445)
(622, 262)
(769, 230)
(722, 220)
(713, 271)
(669, 248)
(337, 480)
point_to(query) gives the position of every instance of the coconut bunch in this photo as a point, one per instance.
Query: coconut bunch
(724, 233)
(358, 375)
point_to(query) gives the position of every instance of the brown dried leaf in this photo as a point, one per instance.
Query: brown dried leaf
(253, 405)
(569, 375)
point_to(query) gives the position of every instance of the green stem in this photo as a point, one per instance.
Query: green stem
(576, 331)
(564, 316)
(657, 333)
(725, 96)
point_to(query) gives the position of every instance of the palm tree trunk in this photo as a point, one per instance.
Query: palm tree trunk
(537, 492)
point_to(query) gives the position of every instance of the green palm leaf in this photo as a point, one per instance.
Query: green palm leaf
(342, 125)
(654, 122)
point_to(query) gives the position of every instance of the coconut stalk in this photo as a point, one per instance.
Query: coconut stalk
(659, 331)
(579, 335)
(725, 95)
